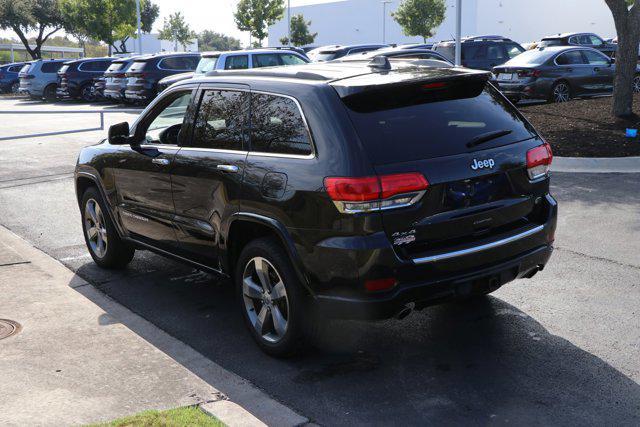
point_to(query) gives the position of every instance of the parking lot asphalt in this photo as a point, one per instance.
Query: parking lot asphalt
(561, 348)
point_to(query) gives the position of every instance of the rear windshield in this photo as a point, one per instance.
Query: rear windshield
(137, 66)
(115, 66)
(63, 69)
(25, 68)
(206, 64)
(427, 123)
(325, 55)
(530, 57)
(446, 50)
(550, 42)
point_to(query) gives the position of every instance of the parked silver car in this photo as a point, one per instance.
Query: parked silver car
(39, 79)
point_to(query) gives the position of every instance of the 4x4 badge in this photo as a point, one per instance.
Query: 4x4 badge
(482, 164)
(404, 237)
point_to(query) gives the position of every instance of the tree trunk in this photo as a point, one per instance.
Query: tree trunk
(627, 23)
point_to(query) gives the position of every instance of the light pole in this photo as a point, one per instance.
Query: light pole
(139, 27)
(458, 32)
(289, 21)
(384, 20)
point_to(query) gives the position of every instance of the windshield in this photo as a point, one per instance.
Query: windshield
(206, 64)
(411, 125)
(137, 66)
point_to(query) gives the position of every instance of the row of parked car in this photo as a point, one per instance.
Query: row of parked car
(557, 68)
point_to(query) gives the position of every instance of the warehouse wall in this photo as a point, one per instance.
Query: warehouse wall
(360, 21)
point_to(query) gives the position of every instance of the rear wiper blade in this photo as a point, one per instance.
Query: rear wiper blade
(489, 136)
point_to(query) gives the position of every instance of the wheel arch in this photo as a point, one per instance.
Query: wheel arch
(85, 180)
(243, 227)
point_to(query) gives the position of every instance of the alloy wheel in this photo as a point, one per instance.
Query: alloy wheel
(87, 93)
(265, 299)
(561, 93)
(95, 228)
(636, 84)
(15, 88)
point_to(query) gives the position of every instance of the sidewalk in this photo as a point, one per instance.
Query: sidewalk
(81, 358)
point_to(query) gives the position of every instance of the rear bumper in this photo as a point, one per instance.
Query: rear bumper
(430, 278)
(426, 293)
(140, 95)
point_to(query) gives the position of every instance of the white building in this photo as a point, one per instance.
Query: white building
(360, 21)
(152, 44)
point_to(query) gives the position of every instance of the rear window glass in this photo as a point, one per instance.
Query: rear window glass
(51, 67)
(427, 123)
(25, 68)
(116, 66)
(63, 69)
(550, 42)
(325, 55)
(15, 68)
(531, 57)
(137, 66)
(448, 51)
(237, 62)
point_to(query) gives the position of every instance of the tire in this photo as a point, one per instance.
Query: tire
(15, 88)
(86, 94)
(636, 84)
(49, 93)
(560, 92)
(286, 297)
(104, 244)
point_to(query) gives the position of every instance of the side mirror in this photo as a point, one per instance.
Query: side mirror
(612, 61)
(119, 134)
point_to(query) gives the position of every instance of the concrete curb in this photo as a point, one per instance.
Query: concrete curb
(221, 393)
(596, 164)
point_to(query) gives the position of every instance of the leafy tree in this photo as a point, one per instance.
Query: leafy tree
(43, 17)
(420, 17)
(176, 29)
(300, 35)
(149, 12)
(210, 40)
(255, 16)
(626, 15)
(109, 21)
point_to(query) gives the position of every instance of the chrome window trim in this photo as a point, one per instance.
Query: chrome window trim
(555, 60)
(312, 155)
(479, 248)
(215, 150)
(160, 146)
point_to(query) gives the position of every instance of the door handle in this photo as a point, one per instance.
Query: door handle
(228, 168)
(162, 162)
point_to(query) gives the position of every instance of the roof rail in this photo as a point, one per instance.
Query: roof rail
(487, 37)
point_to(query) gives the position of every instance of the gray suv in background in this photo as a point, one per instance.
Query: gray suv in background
(39, 79)
(481, 52)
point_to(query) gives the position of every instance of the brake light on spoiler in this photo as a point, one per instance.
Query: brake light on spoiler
(539, 161)
(375, 193)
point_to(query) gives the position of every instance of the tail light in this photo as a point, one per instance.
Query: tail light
(529, 73)
(375, 193)
(539, 161)
(119, 75)
(28, 77)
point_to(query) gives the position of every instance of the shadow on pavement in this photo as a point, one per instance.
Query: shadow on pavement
(473, 363)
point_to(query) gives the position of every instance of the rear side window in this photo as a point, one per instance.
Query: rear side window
(290, 59)
(51, 67)
(265, 60)
(573, 57)
(95, 66)
(277, 126)
(25, 68)
(15, 69)
(237, 62)
(221, 120)
(513, 49)
(410, 123)
(178, 63)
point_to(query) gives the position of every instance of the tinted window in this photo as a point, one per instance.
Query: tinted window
(550, 42)
(277, 126)
(15, 69)
(173, 63)
(586, 40)
(290, 59)
(137, 66)
(165, 126)
(221, 120)
(573, 57)
(495, 52)
(448, 51)
(206, 64)
(51, 67)
(265, 60)
(595, 58)
(237, 62)
(413, 124)
(574, 40)
(116, 66)
(94, 66)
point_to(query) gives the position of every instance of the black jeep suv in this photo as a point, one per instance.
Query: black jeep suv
(342, 189)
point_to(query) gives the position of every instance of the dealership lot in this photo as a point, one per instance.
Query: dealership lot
(560, 348)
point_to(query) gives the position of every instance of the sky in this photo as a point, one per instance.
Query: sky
(216, 15)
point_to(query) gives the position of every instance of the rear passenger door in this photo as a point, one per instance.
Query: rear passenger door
(573, 67)
(603, 72)
(208, 170)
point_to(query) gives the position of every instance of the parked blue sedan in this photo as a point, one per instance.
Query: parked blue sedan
(9, 81)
